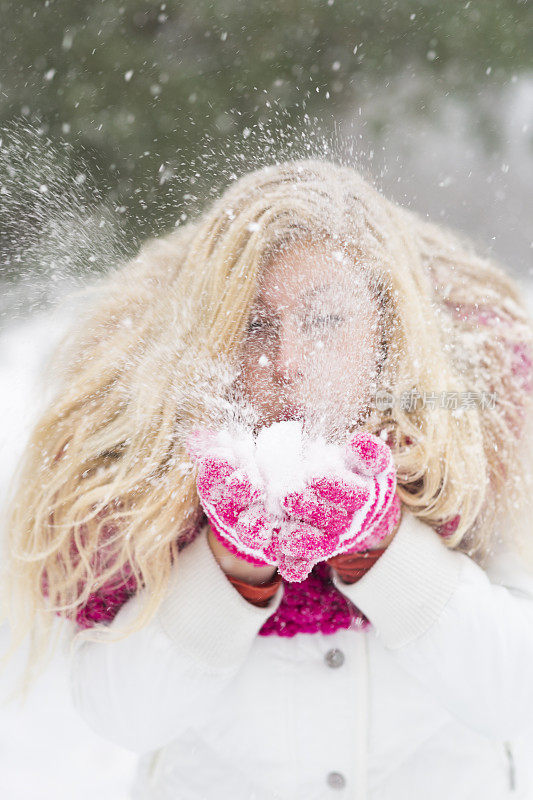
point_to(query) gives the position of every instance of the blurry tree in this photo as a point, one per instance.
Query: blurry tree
(139, 88)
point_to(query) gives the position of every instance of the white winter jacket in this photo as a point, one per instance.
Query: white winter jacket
(433, 700)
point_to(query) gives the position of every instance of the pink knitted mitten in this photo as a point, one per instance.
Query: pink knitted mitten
(339, 514)
(340, 499)
(231, 494)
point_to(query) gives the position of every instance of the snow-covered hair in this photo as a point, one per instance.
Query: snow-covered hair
(105, 494)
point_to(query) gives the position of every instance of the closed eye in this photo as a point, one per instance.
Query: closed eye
(328, 319)
(255, 324)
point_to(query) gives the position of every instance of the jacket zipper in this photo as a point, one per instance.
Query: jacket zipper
(510, 759)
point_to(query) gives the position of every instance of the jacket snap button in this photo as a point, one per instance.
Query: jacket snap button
(336, 780)
(334, 658)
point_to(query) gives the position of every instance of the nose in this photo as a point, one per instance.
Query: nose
(286, 356)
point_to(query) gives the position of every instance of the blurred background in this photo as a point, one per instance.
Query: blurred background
(120, 120)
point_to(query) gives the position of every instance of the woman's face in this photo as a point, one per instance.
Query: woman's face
(313, 338)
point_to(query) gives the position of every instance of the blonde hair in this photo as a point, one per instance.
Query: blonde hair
(104, 490)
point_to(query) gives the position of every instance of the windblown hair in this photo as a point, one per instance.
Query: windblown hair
(105, 492)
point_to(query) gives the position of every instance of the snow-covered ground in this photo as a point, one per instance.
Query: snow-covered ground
(46, 749)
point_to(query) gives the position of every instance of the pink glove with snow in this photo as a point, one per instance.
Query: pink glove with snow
(231, 494)
(343, 498)
(335, 515)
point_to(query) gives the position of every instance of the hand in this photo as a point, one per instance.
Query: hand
(342, 510)
(335, 514)
(231, 499)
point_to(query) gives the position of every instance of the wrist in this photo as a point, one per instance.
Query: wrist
(388, 539)
(351, 566)
(391, 522)
(237, 567)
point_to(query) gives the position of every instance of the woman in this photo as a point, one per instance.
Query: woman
(400, 673)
